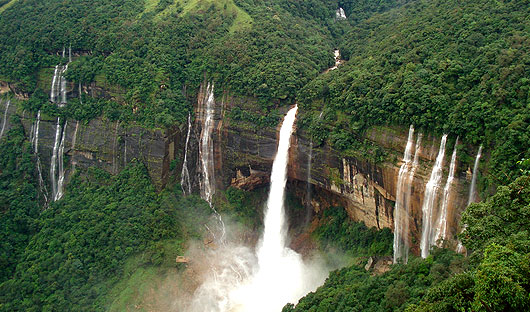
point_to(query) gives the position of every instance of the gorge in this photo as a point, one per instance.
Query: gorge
(240, 155)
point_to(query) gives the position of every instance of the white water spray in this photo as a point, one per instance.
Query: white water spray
(472, 189)
(340, 14)
(441, 228)
(429, 200)
(5, 117)
(60, 161)
(281, 276)
(206, 146)
(400, 213)
(185, 182)
(276, 275)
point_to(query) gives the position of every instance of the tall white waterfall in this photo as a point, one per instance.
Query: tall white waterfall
(58, 89)
(206, 146)
(275, 275)
(185, 182)
(472, 189)
(5, 117)
(340, 14)
(441, 227)
(429, 201)
(281, 276)
(400, 210)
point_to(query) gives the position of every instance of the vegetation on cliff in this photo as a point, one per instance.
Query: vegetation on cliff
(494, 278)
(70, 255)
(453, 67)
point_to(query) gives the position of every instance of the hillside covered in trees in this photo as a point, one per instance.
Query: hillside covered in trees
(447, 67)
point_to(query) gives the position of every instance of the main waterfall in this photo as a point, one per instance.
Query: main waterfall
(275, 275)
(281, 276)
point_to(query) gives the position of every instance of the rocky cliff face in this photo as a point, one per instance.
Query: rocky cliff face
(245, 152)
(243, 156)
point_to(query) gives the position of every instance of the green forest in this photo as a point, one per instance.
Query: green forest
(447, 67)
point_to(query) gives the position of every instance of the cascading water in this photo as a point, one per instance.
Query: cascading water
(53, 164)
(206, 146)
(429, 200)
(74, 139)
(441, 227)
(472, 189)
(60, 161)
(58, 85)
(340, 14)
(281, 276)
(276, 274)
(400, 215)
(5, 117)
(35, 145)
(185, 182)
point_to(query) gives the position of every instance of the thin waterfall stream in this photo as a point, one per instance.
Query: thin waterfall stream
(185, 182)
(5, 117)
(441, 228)
(429, 200)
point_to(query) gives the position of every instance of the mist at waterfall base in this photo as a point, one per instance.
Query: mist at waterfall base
(265, 279)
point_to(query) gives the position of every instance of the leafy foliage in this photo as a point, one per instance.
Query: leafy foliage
(19, 206)
(338, 230)
(354, 289)
(496, 279)
(444, 66)
(83, 240)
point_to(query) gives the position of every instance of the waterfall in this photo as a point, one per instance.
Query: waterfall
(472, 190)
(340, 14)
(35, 135)
(185, 182)
(429, 200)
(206, 146)
(473, 187)
(63, 86)
(275, 275)
(400, 215)
(441, 228)
(74, 139)
(35, 145)
(53, 164)
(59, 85)
(60, 161)
(281, 276)
(275, 232)
(5, 117)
